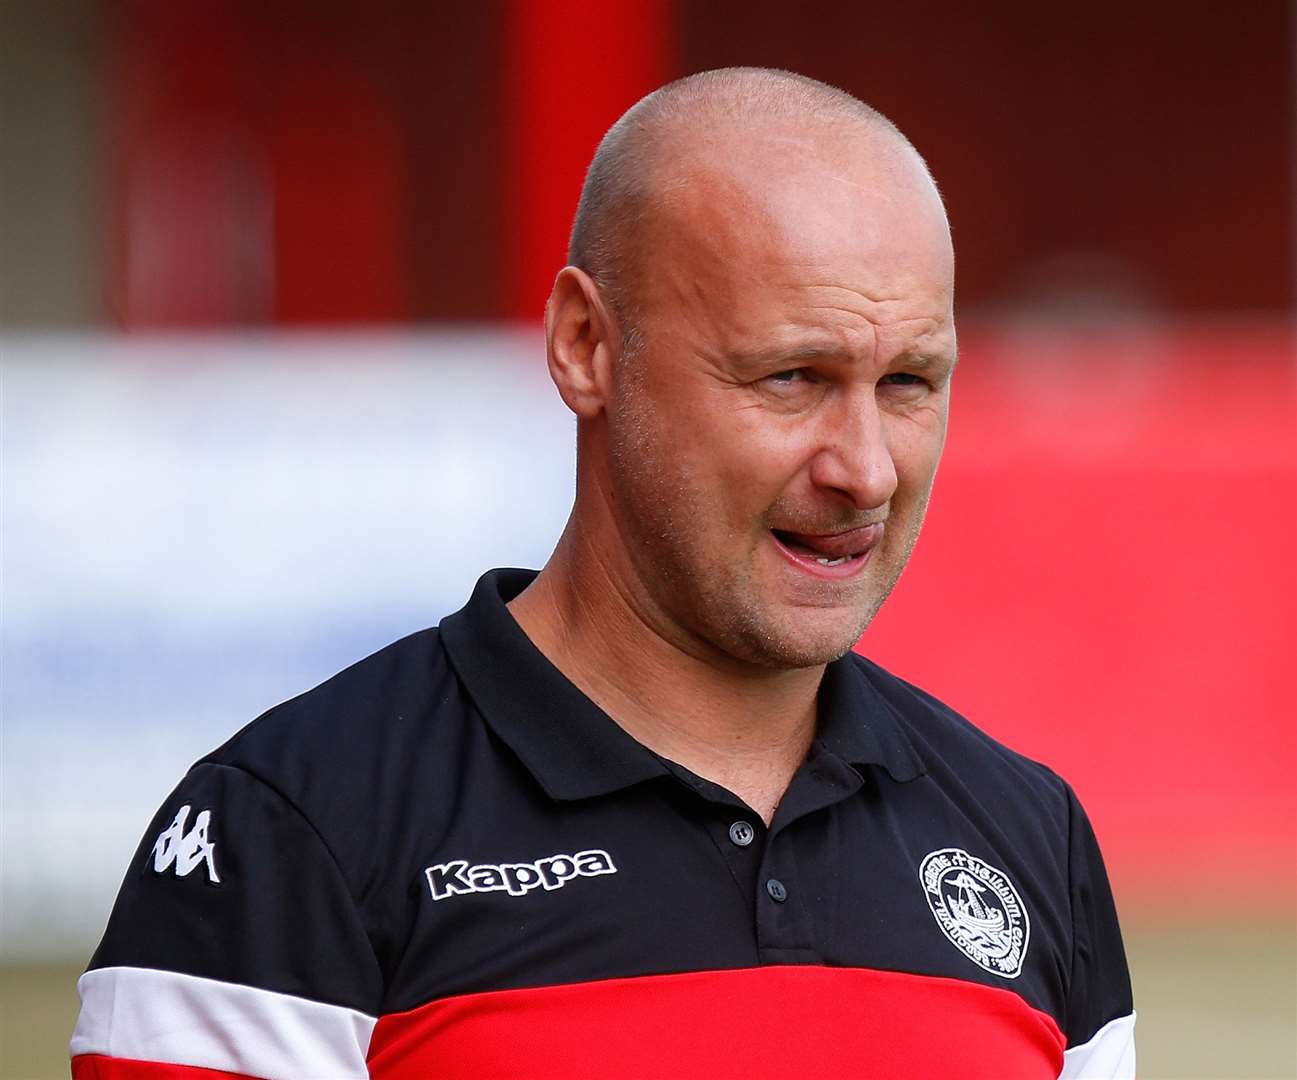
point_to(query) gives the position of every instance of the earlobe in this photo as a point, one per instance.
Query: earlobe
(579, 336)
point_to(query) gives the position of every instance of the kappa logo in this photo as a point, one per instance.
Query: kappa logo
(457, 878)
(186, 850)
(978, 909)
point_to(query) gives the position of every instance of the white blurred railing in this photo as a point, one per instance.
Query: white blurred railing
(194, 528)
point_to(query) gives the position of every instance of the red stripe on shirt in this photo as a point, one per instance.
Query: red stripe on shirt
(797, 1021)
(102, 1067)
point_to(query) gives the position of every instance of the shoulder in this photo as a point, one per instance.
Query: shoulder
(958, 755)
(359, 754)
(350, 717)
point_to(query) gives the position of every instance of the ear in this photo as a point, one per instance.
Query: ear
(582, 340)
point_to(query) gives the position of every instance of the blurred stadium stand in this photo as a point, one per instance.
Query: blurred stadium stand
(273, 394)
(330, 162)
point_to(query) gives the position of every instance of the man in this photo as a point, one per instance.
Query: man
(644, 814)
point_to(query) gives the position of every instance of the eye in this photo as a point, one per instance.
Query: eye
(903, 378)
(789, 377)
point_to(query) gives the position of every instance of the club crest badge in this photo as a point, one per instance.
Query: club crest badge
(978, 910)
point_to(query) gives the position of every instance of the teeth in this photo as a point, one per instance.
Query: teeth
(832, 562)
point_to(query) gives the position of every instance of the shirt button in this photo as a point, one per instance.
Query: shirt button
(776, 889)
(742, 833)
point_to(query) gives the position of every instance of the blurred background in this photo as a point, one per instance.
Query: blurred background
(273, 395)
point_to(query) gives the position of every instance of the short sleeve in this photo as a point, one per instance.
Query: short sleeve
(234, 945)
(1100, 1022)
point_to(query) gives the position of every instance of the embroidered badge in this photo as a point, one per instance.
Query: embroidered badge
(186, 850)
(978, 909)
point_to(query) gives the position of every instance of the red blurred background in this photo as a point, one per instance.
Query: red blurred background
(330, 162)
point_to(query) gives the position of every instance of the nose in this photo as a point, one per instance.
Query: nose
(854, 458)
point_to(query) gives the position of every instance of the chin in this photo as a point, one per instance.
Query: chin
(801, 645)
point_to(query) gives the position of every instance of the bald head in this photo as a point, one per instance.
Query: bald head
(650, 152)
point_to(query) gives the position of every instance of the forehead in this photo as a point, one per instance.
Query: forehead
(760, 228)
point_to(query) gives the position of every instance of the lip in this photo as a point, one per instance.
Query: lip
(862, 540)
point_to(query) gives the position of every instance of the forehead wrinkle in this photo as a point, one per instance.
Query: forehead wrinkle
(871, 301)
(878, 321)
(861, 292)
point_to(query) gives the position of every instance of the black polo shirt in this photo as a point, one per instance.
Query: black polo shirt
(447, 861)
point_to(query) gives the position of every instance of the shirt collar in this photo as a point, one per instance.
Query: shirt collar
(861, 726)
(575, 750)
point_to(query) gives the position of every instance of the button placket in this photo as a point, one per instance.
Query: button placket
(784, 921)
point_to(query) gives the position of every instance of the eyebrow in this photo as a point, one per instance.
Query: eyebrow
(791, 355)
(799, 354)
(929, 360)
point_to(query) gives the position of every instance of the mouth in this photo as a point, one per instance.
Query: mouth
(829, 555)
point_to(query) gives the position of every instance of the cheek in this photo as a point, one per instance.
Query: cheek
(731, 445)
(915, 443)
(757, 460)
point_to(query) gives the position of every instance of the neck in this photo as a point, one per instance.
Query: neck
(744, 727)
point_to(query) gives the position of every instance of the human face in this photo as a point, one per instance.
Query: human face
(774, 441)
